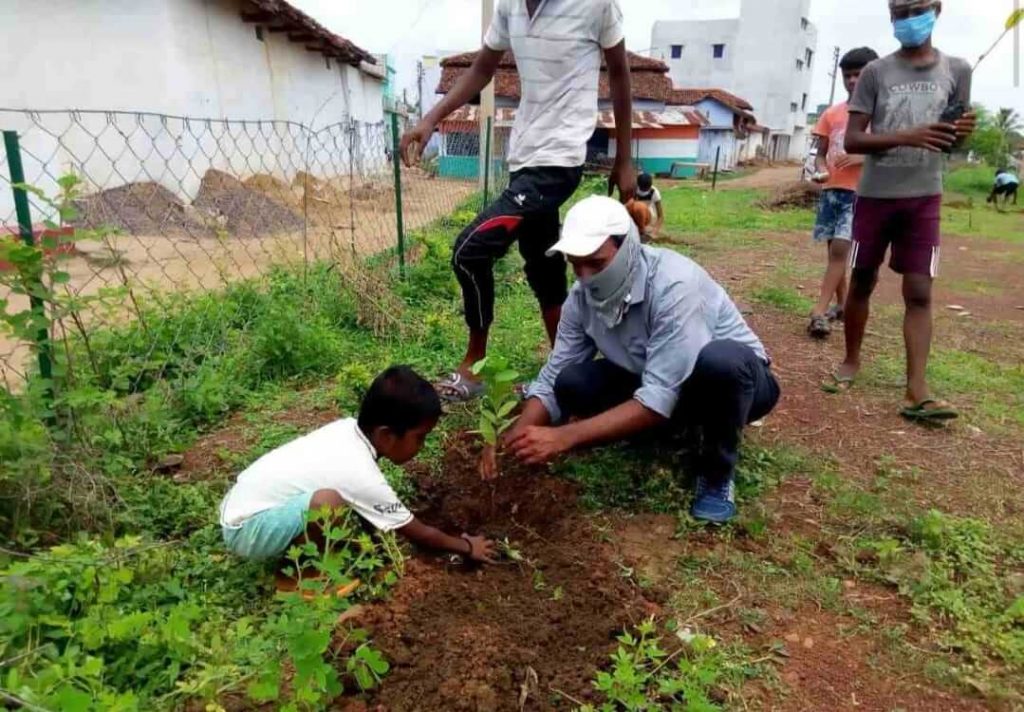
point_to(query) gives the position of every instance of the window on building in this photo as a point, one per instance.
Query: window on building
(809, 57)
(799, 65)
(718, 50)
(677, 51)
(804, 23)
(794, 107)
(259, 32)
(803, 103)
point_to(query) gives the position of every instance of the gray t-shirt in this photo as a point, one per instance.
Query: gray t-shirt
(897, 96)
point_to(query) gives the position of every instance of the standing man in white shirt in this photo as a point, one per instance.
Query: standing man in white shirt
(558, 47)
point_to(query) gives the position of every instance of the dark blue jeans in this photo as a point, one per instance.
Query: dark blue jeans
(730, 388)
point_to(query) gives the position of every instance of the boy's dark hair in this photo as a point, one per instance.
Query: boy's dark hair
(644, 181)
(857, 58)
(398, 399)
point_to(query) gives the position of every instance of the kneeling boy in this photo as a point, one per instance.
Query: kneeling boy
(264, 513)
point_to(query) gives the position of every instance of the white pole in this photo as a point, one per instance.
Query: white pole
(487, 95)
(1016, 47)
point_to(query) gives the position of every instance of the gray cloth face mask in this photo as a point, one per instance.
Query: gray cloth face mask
(608, 291)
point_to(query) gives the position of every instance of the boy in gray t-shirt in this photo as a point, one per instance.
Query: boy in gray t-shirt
(904, 99)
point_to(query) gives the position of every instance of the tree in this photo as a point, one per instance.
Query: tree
(996, 136)
(1010, 126)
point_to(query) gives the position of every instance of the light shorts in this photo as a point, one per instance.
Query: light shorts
(269, 533)
(835, 215)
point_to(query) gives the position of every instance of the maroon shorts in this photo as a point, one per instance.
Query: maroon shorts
(909, 225)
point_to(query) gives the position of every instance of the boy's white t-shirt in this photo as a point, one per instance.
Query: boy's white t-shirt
(337, 456)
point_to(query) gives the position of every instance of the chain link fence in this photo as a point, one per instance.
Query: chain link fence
(137, 208)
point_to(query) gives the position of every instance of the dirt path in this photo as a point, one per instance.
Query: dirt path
(771, 177)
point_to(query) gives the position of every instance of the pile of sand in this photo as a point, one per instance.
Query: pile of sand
(244, 212)
(141, 209)
(791, 196)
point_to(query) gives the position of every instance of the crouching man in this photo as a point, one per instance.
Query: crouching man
(647, 340)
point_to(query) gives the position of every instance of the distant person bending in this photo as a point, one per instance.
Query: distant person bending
(840, 173)
(558, 47)
(647, 194)
(335, 467)
(1006, 184)
(674, 352)
(903, 98)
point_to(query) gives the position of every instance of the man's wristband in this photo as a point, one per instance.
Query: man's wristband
(469, 543)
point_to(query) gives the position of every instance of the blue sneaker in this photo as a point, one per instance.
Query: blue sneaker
(714, 503)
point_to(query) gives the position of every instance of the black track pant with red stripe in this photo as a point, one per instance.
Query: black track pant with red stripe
(527, 212)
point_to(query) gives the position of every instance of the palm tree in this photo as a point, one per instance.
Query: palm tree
(1010, 126)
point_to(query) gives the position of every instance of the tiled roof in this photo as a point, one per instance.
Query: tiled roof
(690, 97)
(649, 77)
(281, 16)
(504, 116)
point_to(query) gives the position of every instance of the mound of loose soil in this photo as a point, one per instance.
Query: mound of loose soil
(276, 189)
(793, 195)
(245, 212)
(466, 638)
(140, 209)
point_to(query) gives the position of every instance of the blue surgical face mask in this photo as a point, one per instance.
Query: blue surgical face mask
(915, 31)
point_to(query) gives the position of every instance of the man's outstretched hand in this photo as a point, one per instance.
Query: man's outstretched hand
(622, 177)
(413, 142)
(481, 549)
(537, 445)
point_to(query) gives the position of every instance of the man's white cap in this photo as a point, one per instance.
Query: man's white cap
(589, 224)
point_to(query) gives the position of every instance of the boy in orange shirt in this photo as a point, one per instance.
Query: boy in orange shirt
(840, 174)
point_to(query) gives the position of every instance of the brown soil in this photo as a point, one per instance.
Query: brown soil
(796, 194)
(772, 177)
(140, 209)
(244, 212)
(465, 638)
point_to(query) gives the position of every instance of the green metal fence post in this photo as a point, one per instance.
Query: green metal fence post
(396, 160)
(17, 173)
(487, 162)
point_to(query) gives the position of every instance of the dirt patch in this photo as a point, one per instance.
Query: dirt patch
(465, 638)
(242, 211)
(140, 209)
(798, 194)
(771, 177)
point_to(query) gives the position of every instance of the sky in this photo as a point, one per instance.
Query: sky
(408, 29)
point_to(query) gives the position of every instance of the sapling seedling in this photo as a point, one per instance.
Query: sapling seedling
(495, 408)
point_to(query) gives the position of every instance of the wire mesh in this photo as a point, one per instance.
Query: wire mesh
(172, 206)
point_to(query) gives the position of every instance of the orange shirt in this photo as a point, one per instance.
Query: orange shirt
(832, 125)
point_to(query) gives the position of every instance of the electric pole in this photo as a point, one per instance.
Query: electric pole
(835, 76)
(419, 88)
(1016, 46)
(486, 96)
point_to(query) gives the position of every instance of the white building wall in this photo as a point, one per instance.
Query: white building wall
(193, 58)
(760, 62)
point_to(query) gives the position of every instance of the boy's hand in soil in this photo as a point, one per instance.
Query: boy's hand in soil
(481, 549)
(966, 125)
(931, 137)
(538, 445)
(414, 141)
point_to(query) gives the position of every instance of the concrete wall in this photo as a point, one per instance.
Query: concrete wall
(659, 150)
(718, 115)
(697, 67)
(760, 63)
(194, 58)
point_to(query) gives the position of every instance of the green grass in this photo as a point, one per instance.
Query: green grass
(784, 298)
(992, 391)
(971, 181)
(690, 210)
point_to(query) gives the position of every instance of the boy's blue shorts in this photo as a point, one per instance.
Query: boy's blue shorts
(269, 533)
(835, 215)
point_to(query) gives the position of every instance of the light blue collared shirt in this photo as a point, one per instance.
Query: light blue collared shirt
(675, 310)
